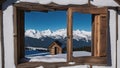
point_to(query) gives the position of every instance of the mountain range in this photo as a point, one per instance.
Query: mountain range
(36, 38)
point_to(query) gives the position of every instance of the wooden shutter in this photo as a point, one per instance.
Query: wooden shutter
(100, 35)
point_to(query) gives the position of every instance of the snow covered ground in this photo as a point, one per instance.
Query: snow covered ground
(46, 57)
(59, 58)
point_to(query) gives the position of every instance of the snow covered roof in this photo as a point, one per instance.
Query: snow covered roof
(99, 3)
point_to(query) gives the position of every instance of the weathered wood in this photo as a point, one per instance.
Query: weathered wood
(103, 34)
(100, 35)
(78, 60)
(95, 36)
(15, 36)
(91, 60)
(69, 36)
(48, 7)
(44, 64)
(91, 10)
(55, 48)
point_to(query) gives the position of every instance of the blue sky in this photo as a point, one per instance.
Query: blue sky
(55, 20)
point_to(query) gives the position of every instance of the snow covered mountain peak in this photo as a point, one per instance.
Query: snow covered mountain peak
(58, 34)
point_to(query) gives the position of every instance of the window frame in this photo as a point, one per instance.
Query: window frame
(18, 16)
(92, 60)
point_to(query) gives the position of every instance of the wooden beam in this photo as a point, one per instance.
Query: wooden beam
(48, 7)
(69, 36)
(91, 10)
(90, 60)
(100, 61)
(39, 7)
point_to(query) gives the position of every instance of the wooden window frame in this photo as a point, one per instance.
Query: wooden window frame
(96, 58)
(19, 9)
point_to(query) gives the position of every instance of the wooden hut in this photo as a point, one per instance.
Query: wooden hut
(55, 48)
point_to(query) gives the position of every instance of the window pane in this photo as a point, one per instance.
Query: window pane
(81, 34)
(45, 36)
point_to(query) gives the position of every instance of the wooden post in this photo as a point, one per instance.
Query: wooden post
(69, 36)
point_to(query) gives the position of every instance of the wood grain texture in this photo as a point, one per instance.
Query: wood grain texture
(100, 35)
(103, 35)
(79, 61)
(69, 36)
(49, 7)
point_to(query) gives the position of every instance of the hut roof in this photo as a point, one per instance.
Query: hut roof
(56, 42)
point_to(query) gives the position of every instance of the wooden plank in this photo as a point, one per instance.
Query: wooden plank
(95, 41)
(38, 7)
(100, 35)
(69, 36)
(78, 61)
(48, 7)
(15, 35)
(91, 10)
(91, 60)
(103, 34)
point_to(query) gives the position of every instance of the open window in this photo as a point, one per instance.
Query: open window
(99, 36)
(99, 27)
